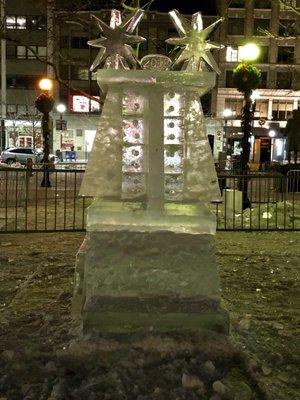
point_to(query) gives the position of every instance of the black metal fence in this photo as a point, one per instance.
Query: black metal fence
(26, 206)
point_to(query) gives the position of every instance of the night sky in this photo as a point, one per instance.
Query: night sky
(207, 7)
(185, 6)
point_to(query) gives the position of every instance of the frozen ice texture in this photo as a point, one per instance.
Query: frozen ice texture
(129, 124)
(104, 215)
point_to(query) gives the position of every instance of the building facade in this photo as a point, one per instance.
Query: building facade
(276, 31)
(61, 39)
(40, 35)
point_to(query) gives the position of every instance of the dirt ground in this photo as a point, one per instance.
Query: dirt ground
(259, 275)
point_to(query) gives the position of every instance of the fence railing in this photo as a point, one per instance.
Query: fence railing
(26, 206)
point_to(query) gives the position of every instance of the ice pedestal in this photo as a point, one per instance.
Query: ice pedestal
(148, 272)
(156, 281)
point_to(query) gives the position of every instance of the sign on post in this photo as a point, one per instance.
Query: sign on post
(61, 125)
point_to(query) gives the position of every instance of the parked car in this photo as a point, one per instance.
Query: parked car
(21, 154)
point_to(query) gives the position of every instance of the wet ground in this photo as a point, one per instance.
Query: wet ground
(259, 273)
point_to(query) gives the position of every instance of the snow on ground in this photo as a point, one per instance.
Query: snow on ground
(259, 273)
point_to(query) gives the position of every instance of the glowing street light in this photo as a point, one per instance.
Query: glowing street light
(61, 108)
(45, 84)
(227, 113)
(272, 133)
(44, 103)
(250, 52)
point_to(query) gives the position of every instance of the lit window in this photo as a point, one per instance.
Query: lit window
(21, 52)
(95, 106)
(234, 54)
(15, 22)
(31, 54)
(10, 22)
(231, 54)
(261, 109)
(42, 51)
(84, 104)
(281, 110)
(21, 23)
(235, 105)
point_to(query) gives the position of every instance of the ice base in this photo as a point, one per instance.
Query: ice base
(149, 281)
(136, 217)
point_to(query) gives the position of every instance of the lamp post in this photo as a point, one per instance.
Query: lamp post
(246, 78)
(254, 96)
(61, 108)
(44, 104)
(227, 113)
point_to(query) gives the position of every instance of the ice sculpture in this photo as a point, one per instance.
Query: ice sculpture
(151, 146)
(193, 39)
(115, 51)
(152, 175)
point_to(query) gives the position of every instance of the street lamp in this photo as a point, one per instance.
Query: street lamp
(246, 78)
(272, 133)
(61, 108)
(44, 103)
(45, 84)
(249, 52)
(227, 113)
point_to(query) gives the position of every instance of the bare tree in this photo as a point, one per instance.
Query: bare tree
(62, 13)
(24, 123)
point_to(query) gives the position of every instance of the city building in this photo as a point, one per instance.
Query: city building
(277, 32)
(40, 35)
(61, 38)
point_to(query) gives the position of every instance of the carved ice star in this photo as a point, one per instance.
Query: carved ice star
(194, 40)
(115, 50)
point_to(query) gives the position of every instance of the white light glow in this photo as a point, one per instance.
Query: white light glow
(272, 133)
(267, 215)
(279, 147)
(255, 95)
(249, 52)
(227, 113)
(61, 108)
(82, 104)
(21, 123)
(45, 84)
(89, 139)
